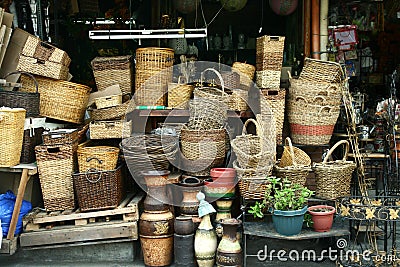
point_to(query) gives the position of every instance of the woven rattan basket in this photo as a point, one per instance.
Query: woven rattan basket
(61, 100)
(108, 71)
(321, 71)
(269, 53)
(55, 166)
(212, 93)
(179, 94)
(32, 138)
(112, 113)
(97, 158)
(268, 79)
(276, 102)
(99, 190)
(11, 135)
(108, 101)
(238, 100)
(246, 72)
(292, 155)
(110, 129)
(231, 79)
(333, 178)
(296, 174)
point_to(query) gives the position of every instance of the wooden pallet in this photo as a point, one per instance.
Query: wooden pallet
(8, 247)
(127, 211)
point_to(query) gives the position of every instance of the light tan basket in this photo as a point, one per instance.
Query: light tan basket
(11, 135)
(269, 53)
(246, 72)
(179, 94)
(296, 174)
(270, 44)
(238, 100)
(108, 71)
(97, 158)
(321, 71)
(276, 101)
(110, 129)
(108, 101)
(293, 155)
(212, 93)
(268, 79)
(60, 100)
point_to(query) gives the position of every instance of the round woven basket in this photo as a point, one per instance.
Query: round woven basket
(246, 72)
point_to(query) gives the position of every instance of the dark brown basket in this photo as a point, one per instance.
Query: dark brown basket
(30, 101)
(32, 138)
(99, 190)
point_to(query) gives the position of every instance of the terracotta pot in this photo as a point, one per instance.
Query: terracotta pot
(323, 220)
(205, 243)
(156, 237)
(184, 225)
(190, 186)
(224, 175)
(216, 189)
(229, 252)
(157, 198)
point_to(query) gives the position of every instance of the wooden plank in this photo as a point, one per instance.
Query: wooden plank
(8, 247)
(90, 232)
(125, 201)
(132, 207)
(31, 227)
(81, 222)
(78, 244)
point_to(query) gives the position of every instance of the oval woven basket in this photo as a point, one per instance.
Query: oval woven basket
(293, 156)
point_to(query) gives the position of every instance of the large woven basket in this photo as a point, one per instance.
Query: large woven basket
(55, 167)
(99, 190)
(110, 129)
(321, 71)
(97, 158)
(179, 94)
(276, 101)
(202, 150)
(251, 150)
(246, 72)
(212, 93)
(333, 178)
(11, 135)
(61, 100)
(30, 101)
(293, 156)
(108, 71)
(269, 53)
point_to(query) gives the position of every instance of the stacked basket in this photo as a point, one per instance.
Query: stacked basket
(314, 102)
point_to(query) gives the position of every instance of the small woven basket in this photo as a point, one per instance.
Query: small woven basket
(246, 72)
(268, 79)
(108, 101)
(333, 178)
(32, 138)
(179, 94)
(97, 158)
(231, 79)
(321, 71)
(112, 113)
(296, 174)
(238, 100)
(110, 129)
(212, 93)
(11, 135)
(293, 155)
(276, 102)
(99, 190)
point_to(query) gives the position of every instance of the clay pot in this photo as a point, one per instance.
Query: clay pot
(229, 252)
(157, 198)
(223, 175)
(322, 216)
(216, 189)
(190, 186)
(156, 237)
(184, 225)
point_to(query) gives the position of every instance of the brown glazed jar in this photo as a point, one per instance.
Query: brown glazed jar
(190, 186)
(157, 198)
(184, 225)
(229, 252)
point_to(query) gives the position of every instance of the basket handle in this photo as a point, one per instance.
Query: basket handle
(27, 74)
(275, 38)
(92, 170)
(288, 142)
(246, 123)
(91, 158)
(346, 151)
(320, 97)
(325, 107)
(219, 77)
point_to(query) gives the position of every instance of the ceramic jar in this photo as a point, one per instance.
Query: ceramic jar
(184, 250)
(229, 252)
(184, 225)
(157, 198)
(190, 186)
(205, 243)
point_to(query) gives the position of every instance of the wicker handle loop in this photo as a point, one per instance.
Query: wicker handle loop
(320, 97)
(218, 75)
(92, 170)
(27, 74)
(91, 158)
(325, 107)
(258, 127)
(302, 98)
(275, 38)
(180, 80)
(288, 142)
(346, 151)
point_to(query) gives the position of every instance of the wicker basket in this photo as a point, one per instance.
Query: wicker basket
(179, 94)
(99, 190)
(238, 100)
(61, 100)
(231, 79)
(269, 53)
(202, 150)
(268, 79)
(207, 114)
(293, 156)
(110, 129)
(112, 113)
(108, 71)
(26, 100)
(32, 138)
(246, 72)
(316, 70)
(55, 166)
(251, 150)
(270, 44)
(11, 135)
(296, 174)
(108, 101)
(212, 93)
(333, 178)
(97, 158)
(60, 137)
(276, 102)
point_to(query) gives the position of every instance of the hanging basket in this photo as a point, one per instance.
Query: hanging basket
(293, 155)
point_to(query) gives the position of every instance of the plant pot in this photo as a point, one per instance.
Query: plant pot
(216, 189)
(223, 175)
(288, 222)
(322, 220)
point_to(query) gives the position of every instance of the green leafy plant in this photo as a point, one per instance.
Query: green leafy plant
(285, 196)
(308, 220)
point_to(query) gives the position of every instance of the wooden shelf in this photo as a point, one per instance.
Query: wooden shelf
(370, 155)
(185, 113)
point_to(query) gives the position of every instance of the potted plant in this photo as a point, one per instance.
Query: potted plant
(288, 204)
(322, 217)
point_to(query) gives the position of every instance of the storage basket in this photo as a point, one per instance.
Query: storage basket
(30, 101)
(61, 100)
(292, 155)
(43, 59)
(212, 93)
(246, 72)
(321, 71)
(179, 94)
(231, 79)
(11, 135)
(333, 178)
(97, 158)
(252, 151)
(238, 100)
(269, 53)
(296, 174)
(108, 101)
(65, 136)
(276, 102)
(270, 44)
(108, 71)
(32, 138)
(268, 79)
(202, 150)
(269, 61)
(112, 113)
(110, 129)
(56, 164)
(207, 114)
(99, 190)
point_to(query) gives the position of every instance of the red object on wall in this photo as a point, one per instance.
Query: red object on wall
(307, 27)
(315, 34)
(283, 7)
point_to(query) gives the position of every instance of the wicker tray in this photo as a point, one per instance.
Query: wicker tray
(99, 190)
(110, 129)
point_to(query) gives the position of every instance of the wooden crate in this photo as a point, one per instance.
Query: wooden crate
(8, 247)
(72, 226)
